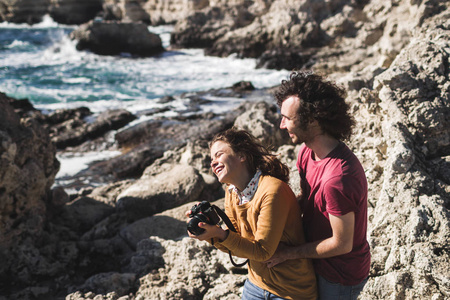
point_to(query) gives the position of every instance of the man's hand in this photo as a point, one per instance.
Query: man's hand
(281, 255)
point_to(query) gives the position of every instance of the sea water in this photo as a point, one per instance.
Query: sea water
(41, 63)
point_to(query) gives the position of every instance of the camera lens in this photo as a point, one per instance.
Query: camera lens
(193, 224)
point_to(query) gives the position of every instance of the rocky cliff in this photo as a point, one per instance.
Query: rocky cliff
(126, 240)
(62, 11)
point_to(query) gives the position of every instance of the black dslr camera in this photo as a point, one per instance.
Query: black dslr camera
(202, 212)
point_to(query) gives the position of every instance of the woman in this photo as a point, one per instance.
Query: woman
(264, 211)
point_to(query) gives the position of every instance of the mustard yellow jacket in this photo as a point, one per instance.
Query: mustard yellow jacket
(271, 217)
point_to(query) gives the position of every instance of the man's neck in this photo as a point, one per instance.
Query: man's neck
(322, 145)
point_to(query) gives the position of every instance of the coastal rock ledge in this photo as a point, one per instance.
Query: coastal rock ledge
(126, 238)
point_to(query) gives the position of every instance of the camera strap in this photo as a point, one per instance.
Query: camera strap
(230, 226)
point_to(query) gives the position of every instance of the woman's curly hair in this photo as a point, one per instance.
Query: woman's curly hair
(257, 155)
(320, 100)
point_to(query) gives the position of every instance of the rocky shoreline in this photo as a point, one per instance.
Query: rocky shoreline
(126, 239)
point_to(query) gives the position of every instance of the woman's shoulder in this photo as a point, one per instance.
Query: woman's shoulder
(274, 184)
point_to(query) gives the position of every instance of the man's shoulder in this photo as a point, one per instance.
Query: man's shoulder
(303, 151)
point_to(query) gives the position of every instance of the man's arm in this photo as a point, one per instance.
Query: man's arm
(341, 242)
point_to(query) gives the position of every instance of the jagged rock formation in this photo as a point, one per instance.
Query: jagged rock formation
(169, 12)
(127, 11)
(410, 225)
(62, 11)
(74, 11)
(392, 57)
(27, 171)
(23, 11)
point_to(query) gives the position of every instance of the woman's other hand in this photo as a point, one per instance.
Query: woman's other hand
(211, 231)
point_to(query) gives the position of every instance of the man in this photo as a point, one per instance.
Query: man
(333, 186)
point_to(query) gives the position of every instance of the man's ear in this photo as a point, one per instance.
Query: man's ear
(242, 157)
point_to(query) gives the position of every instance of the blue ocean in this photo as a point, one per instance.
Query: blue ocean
(41, 63)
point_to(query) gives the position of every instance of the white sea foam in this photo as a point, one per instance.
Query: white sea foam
(72, 163)
(17, 44)
(77, 80)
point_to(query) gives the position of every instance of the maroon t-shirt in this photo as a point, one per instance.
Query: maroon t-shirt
(335, 185)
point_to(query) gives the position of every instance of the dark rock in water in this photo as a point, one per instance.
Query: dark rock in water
(69, 128)
(114, 38)
(243, 86)
(109, 120)
(138, 134)
(166, 99)
(62, 115)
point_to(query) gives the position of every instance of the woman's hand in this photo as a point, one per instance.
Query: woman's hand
(211, 231)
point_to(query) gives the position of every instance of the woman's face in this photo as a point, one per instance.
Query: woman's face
(225, 163)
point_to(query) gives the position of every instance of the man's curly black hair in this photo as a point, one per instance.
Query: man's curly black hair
(320, 100)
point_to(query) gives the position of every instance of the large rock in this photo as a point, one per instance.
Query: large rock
(154, 194)
(27, 171)
(114, 38)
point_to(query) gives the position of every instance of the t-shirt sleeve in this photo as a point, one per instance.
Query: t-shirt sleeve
(340, 196)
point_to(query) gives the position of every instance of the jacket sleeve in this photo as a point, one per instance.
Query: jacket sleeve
(228, 211)
(262, 233)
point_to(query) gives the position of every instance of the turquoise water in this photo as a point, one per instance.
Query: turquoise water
(40, 63)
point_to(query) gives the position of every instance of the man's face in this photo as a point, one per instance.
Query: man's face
(290, 120)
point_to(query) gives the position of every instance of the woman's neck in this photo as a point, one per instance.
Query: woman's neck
(243, 180)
